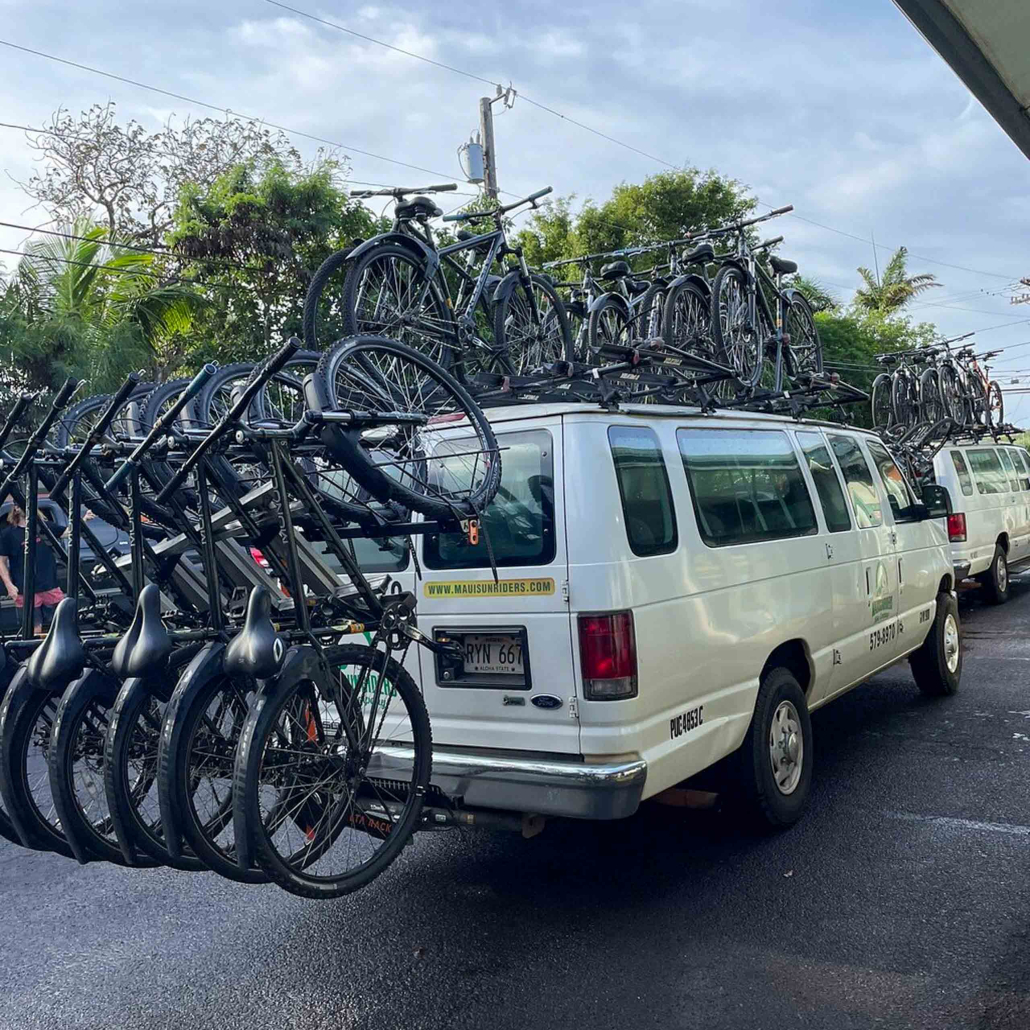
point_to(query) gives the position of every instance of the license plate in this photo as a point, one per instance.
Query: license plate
(492, 654)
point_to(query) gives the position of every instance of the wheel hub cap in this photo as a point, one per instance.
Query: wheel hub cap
(786, 747)
(951, 643)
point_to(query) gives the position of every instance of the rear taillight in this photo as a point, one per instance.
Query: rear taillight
(957, 527)
(608, 656)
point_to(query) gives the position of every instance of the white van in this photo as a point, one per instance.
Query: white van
(989, 528)
(675, 590)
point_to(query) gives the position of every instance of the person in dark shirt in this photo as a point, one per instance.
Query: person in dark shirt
(12, 568)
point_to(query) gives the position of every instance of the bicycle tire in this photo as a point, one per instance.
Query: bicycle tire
(297, 872)
(313, 298)
(526, 346)
(650, 315)
(79, 419)
(607, 326)
(952, 395)
(687, 319)
(7, 830)
(180, 780)
(930, 395)
(133, 734)
(806, 357)
(880, 401)
(901, 398)
(79, 732)
(438, 337)
(26, 718)
(375, 374)
(995, 404)
(744, 355)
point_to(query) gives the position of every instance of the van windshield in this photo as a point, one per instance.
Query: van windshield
(519, 522)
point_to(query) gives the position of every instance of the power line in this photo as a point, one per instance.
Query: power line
(470, 75)
(215, 107)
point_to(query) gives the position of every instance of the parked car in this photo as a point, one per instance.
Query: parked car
(675, 594)
(990, 526)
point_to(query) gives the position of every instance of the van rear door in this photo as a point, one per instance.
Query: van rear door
(515, 687)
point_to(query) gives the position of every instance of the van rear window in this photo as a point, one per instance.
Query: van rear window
(519, 522)
(987, 471)
(746, 486)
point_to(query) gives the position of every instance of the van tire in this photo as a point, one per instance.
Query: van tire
(930, 664)
(995, 580)
(764, 804)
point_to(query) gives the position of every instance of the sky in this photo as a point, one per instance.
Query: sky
(838, 107)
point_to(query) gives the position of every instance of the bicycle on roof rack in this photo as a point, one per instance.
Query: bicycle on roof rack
(399, 284)
(765, 331)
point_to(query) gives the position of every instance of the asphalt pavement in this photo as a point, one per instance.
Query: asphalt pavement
(902, 899)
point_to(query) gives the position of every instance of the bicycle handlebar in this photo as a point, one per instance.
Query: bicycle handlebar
(403, 191)
(769, 243)
(469, 216)
(234, 414)
(161, 426)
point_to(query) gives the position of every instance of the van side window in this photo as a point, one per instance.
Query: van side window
(1022, 462)
(746, 486)
(987, 471)
(644, 489)
(965, 480)
(827, 485)
(1007, 466)
(899, 497)
(859, 477)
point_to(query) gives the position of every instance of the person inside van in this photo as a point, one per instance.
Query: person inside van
(48, 592)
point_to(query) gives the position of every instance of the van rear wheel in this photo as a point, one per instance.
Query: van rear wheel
(937, 665)
(775, 760)
(995, 580)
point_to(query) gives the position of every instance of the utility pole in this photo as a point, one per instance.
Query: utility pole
(486, 129)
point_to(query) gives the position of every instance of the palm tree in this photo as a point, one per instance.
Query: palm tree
(98, 310)
(896, 288)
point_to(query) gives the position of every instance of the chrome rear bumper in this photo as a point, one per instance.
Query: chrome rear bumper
(553, 786)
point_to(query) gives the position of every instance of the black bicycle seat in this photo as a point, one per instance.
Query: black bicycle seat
(146, 645)
(257, 650)
(614, 270)
(636, 286)
(919, 359)
(781, 266)
(704, 255)
(61, 657)
(418, 207)
(966, 352)
(887, 359)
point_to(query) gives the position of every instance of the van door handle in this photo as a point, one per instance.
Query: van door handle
(894, 537)
(829, 551)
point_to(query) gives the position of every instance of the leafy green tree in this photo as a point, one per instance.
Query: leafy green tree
(891, 292)
(255, 238)
(663, 207)
(817, 295)
(80, 306)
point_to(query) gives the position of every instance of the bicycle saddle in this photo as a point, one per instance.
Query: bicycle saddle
(614, 270)
(704, 255)
(257, 650)
(781, 266)
(61, 657)
(418, 207)
(146, 645)
(637, 285)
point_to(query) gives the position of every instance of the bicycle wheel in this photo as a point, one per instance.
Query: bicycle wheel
(995, 404)
(387, 292)
(76, 767)
(78, 421)
(687, 319)
(607, 326)
(332, 774)
(130, 762)
(880, 401)
(805, 347)
(325, 319)
(199, 736)
(26, 722)
(952, 394)
(930, 396)
(737, 338)
(902, 401)
(439, 457)
(7, 830)
(649, 318)
(529, 342)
